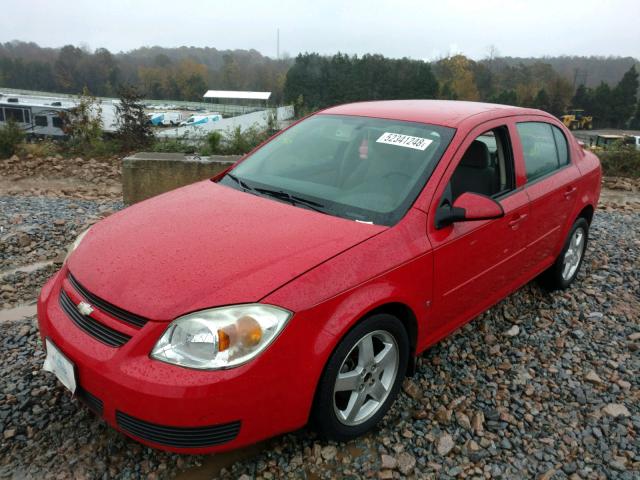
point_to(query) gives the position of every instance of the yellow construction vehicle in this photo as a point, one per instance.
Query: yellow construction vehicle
(577, 120)
(614, 142)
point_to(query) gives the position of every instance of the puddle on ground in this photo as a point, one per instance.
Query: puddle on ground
(18, 312)
(27, 268)
(213, 464)
(354, 451)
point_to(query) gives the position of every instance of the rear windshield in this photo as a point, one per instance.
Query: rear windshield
(360, 168)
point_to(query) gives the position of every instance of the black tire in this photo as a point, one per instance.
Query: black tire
(323, 416)
(552, 278)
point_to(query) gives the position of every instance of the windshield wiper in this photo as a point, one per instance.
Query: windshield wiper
(239, 182)
(292, 199)
(279, 194)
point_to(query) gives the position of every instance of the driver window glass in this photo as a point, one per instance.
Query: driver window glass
(486, 167)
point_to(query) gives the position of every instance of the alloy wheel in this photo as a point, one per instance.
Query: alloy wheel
(365, 378)
(573, 255)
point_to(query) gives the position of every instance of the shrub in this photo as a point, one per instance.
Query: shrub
(11, 135)
(238, 142)
(39, 148)
(83, 123)
(622, 162)
(173, 145)
(232, 142)
(214, 143)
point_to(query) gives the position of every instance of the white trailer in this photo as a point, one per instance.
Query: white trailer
(41, 116)
(34, 119)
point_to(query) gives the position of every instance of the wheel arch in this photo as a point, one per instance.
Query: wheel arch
(403, 312)
(587, 213)
(407, 317)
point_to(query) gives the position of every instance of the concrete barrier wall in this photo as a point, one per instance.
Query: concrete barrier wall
(145, 175)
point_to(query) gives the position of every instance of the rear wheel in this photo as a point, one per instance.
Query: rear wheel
(362, 378)
(565, 269)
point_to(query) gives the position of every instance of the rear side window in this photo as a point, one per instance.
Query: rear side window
(544, 147)
(41, 120)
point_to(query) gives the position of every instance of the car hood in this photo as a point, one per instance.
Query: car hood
(205, 245)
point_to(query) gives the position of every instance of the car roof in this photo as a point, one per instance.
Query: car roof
(448, 113)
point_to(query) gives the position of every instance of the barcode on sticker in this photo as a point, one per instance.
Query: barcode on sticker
(408, 141)
(417, 143)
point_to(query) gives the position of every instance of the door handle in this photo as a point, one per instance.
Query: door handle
(516, 220)
(570, 192)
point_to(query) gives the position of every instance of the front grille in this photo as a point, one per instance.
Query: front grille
(93, 402)
(104, 334)
(106, 307)
(179, 437)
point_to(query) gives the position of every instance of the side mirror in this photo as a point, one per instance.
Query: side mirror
(468, 207)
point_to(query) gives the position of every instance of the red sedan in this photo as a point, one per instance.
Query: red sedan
(301, 284)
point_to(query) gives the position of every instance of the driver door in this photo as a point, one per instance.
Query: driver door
(478, 262)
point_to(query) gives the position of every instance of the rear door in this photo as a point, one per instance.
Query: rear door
(477, 263)
(551, 186)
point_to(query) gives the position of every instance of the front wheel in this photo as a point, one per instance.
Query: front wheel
(362, 378)
(565, 269)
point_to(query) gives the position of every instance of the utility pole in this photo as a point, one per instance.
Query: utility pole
(278, 43)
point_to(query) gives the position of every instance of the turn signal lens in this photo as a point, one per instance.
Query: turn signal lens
(223, 341)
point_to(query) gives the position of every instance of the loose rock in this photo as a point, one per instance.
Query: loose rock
(445, 444)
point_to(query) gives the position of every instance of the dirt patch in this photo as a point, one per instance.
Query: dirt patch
(619, 193)
(61, 177)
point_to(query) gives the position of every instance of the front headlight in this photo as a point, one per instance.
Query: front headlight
(75, 244)
(220, 337)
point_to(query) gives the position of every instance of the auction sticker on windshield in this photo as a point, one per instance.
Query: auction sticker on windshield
(408, 141)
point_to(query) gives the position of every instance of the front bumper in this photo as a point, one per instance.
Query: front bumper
(179, 409)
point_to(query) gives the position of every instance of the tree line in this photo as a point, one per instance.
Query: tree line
(316, 81)
(183, 73)
(604, 87)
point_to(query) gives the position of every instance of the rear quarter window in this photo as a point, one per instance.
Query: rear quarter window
(562, 146)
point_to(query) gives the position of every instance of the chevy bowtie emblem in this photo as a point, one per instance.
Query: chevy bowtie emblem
(84, 308)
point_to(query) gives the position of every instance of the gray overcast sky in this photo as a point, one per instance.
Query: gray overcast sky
(417, 29)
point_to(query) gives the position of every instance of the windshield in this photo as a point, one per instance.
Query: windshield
(360, 168)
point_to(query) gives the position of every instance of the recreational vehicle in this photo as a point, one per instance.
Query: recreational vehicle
(35, 119)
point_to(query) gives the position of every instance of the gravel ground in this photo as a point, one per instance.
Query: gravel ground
(37, 230)
(542, 386)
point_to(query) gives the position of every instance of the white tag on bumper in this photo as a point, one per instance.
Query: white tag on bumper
(57, 363)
